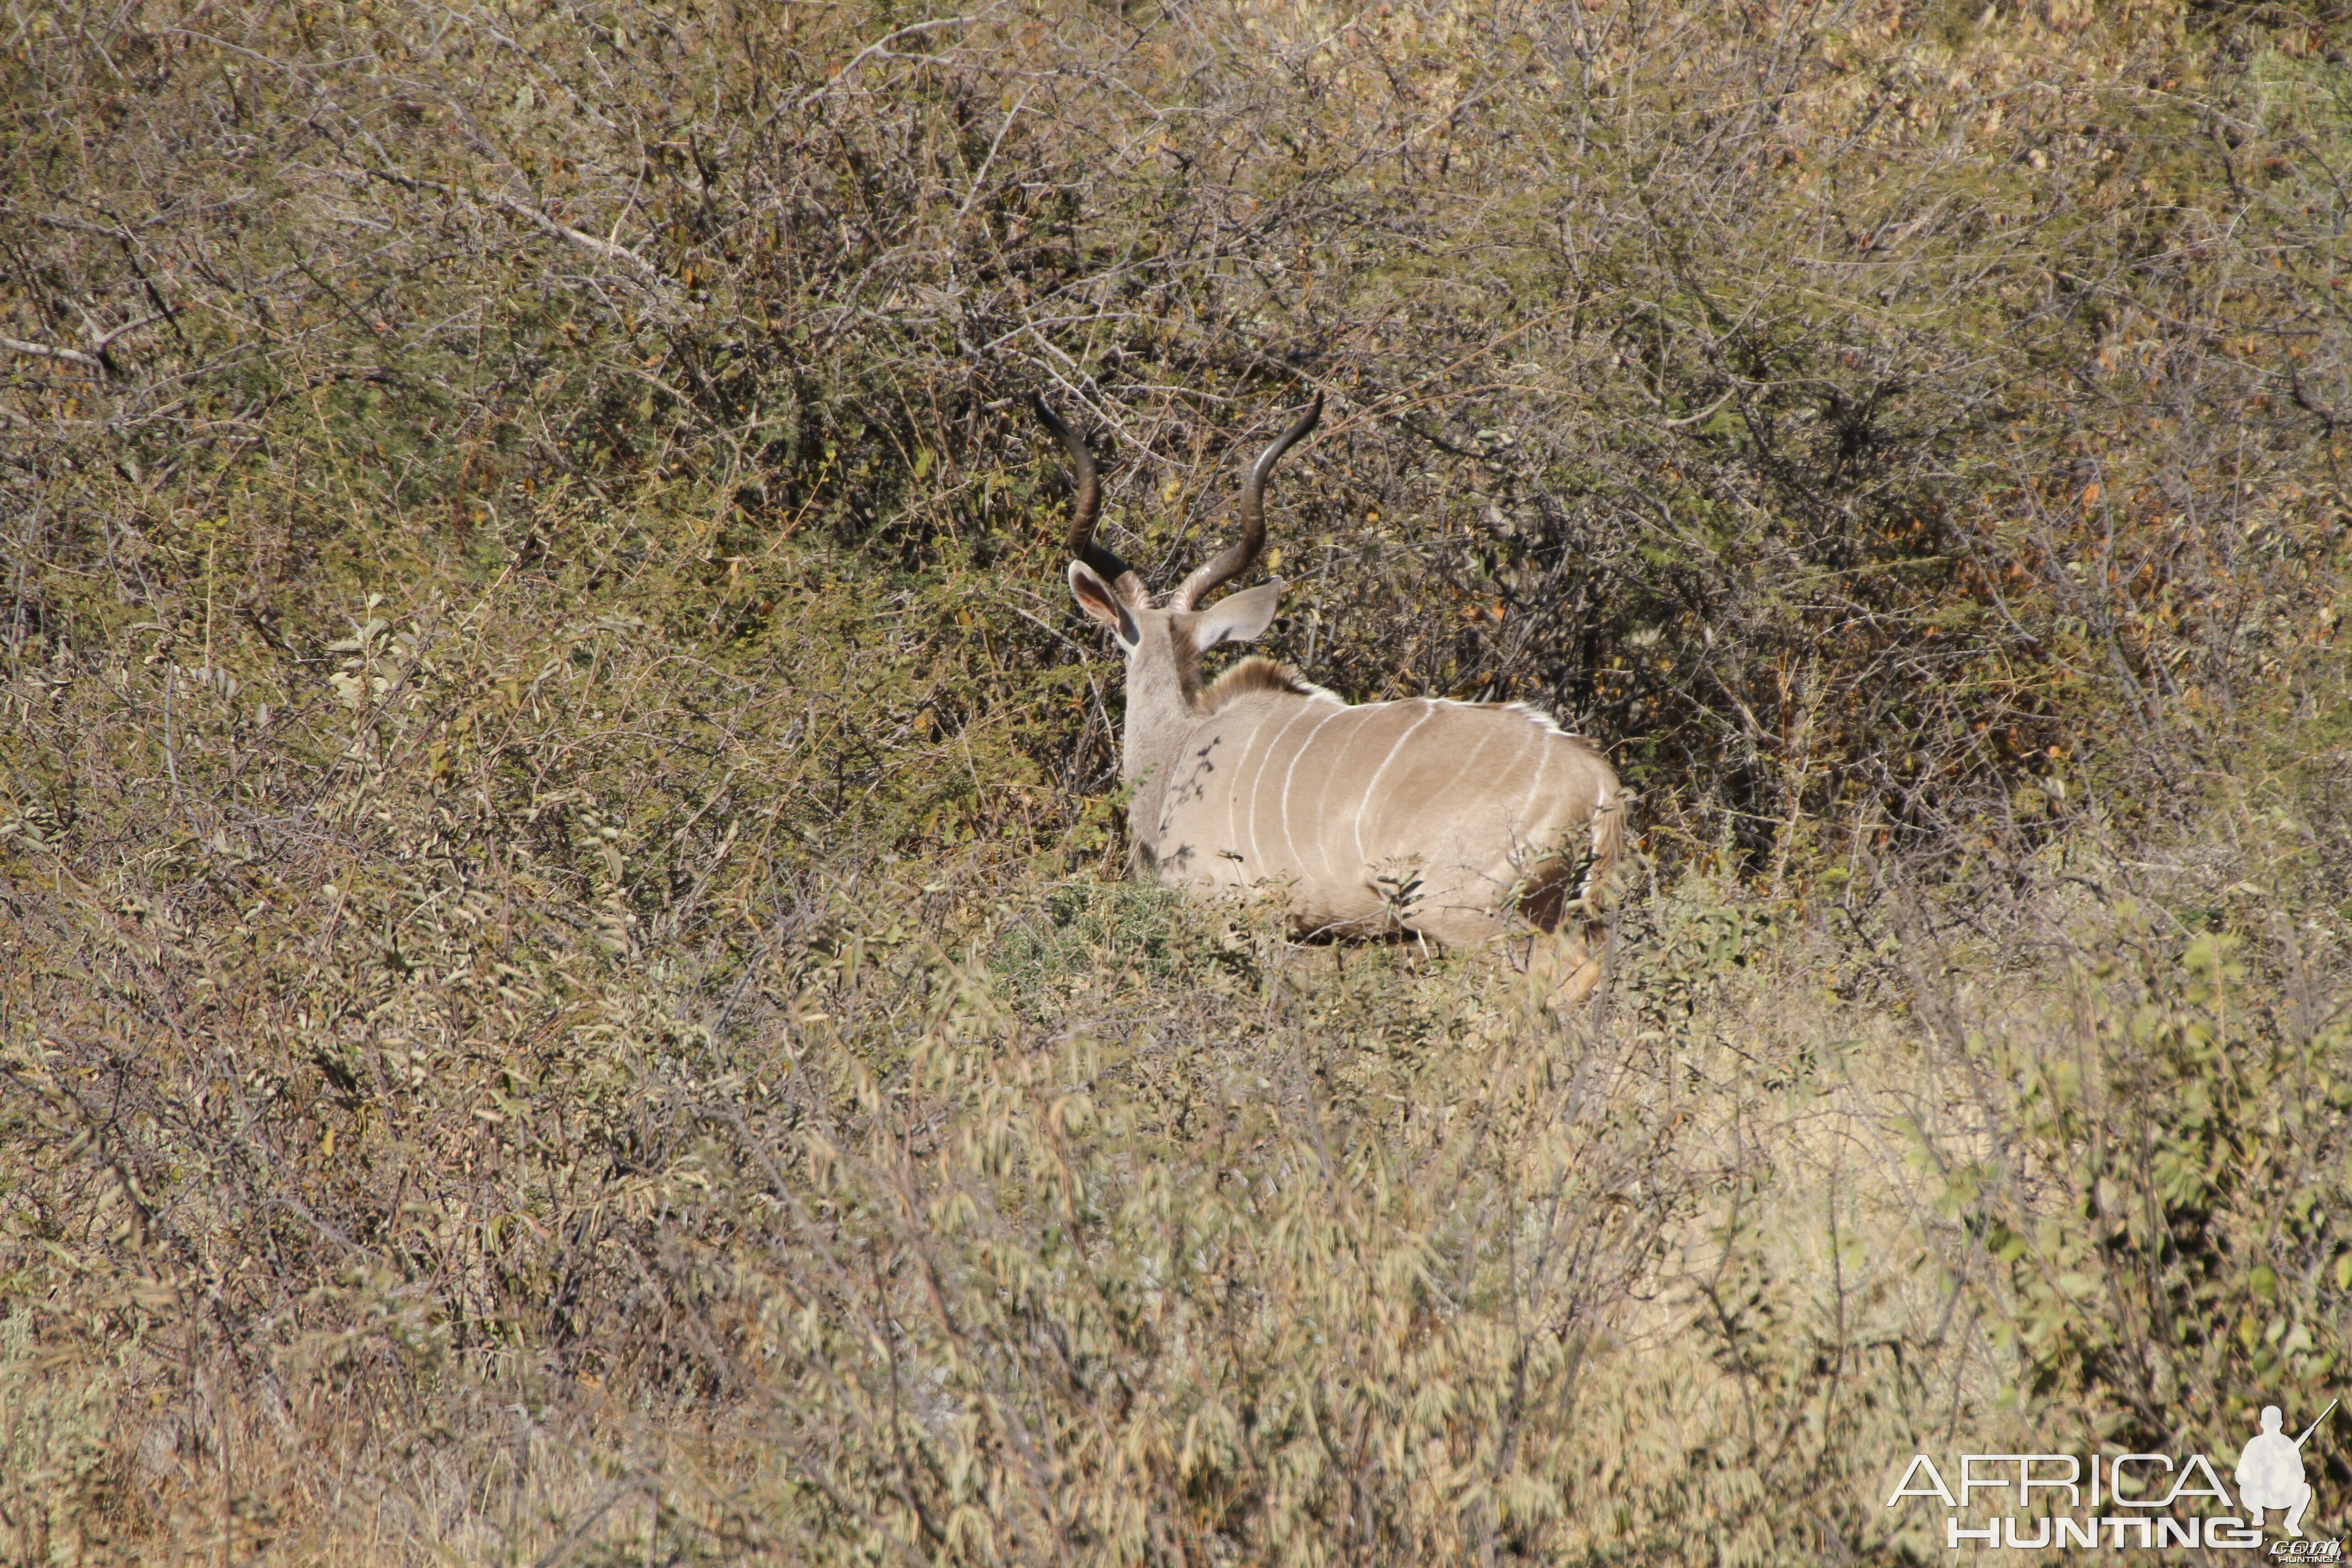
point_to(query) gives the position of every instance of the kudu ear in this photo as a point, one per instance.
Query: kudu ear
(1097, 599)
(1238, 617)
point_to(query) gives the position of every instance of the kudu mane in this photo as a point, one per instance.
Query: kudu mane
(1252, 675)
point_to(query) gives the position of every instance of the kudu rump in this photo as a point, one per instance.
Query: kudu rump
(1444, 819)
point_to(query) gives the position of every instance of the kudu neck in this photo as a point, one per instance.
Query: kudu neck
(1163, 706)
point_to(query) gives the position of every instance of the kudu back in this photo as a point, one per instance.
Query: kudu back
(1443, 819)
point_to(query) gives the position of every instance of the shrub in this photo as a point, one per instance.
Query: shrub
(562, 987)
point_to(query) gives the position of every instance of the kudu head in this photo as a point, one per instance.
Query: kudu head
(1163, 644)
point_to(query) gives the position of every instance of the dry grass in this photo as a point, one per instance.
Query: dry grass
(564, 997)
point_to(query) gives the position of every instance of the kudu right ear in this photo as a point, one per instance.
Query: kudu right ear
(1096, 598)
(1238, 617)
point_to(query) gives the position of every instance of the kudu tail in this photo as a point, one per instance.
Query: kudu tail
(1608, 845)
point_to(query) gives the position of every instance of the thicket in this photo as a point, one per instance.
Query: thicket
(566, 994)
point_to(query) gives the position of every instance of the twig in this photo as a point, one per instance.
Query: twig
(881, 46)
(647, 275)
(44, 350)
(93, 358)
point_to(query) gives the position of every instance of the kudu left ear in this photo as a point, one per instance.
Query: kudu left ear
(1238, 617)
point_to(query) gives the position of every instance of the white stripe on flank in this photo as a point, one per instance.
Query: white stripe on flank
(1469, 866)
(1486, 733)
(1287, 774)
(1373, 789)
(1323, 796)
(1233, 794)
(1543, 757)
(1256, 862)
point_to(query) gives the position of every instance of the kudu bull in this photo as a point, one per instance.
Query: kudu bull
(1443, 819)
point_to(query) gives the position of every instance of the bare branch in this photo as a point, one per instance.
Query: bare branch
(644, 272)
(45, 351)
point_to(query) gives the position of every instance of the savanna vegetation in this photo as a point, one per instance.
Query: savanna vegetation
(568, 993)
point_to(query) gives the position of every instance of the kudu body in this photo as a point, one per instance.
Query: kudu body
(1444, 819)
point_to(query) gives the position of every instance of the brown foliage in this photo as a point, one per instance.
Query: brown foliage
(559, 996)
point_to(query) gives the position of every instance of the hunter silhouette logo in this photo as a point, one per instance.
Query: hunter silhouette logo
(2160, 1502)
(2270, 1471)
